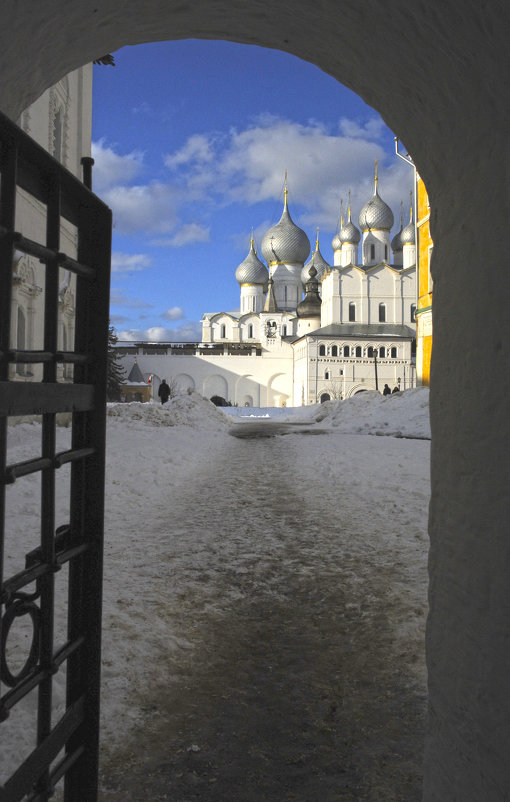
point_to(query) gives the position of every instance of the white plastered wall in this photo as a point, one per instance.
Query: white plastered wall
(436, 74)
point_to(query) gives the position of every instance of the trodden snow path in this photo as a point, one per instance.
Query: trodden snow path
(264, 633)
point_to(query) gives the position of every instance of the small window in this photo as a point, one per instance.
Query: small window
(382, 313)
(285, 293)
(386, 253)
(326, 374)
(250, 331)
(370, 352)
(413, 313)
(347, 350)
(322, 350)
(223, 332)
(334, 351)
(352, 312)
(393, 353)
(372, 252)
(284, 330)
(382, 351)
(359, 351)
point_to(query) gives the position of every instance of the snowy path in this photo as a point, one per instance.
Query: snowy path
(279, 600)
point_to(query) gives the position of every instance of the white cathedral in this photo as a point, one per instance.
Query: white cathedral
(354, 330)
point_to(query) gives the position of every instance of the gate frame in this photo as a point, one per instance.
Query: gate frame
(79, 542)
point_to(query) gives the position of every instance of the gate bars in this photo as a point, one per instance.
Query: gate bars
(68, 747)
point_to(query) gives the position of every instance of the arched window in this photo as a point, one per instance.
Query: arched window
(250, 331)
(386, 253)
(334, 351)
(382, 351)
(359, 350)
(284, 330)
(413, 313)
(352, 312)
(370, 352)
(347, 350)
(372, 252)
(382, 313)
(223, 332)
(325, 397)
(326, 374)
(393, 353)
(322, 350)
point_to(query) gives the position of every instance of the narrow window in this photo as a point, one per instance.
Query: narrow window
(382, 313)
(413, 312)
(284, 330)
(322, 350)
(370, 352)
(334, 351)
(358, 350)
(352, 312)
(285, 293)
(347, 350)
(250, 331)
(223, 332)
(382, 351)
(326, 374)
(372, 252)
(393, 353)
(386, 253)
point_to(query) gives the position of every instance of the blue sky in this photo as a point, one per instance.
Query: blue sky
(191, 141)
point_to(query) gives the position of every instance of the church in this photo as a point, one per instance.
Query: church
(307, 331)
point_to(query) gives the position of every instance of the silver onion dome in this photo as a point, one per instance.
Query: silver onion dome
(252, 270)
(396, 242)
(349, 233)
(375, 214)
(316, 261)
(336, 242)
(285, 241)
(407, 236)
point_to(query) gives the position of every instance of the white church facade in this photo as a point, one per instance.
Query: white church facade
(60, 121)
(353, 331)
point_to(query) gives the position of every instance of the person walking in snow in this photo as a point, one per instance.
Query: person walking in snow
(164, 391)
(386, 390)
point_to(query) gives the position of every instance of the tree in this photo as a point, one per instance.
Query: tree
(116, 373)
(333, 388)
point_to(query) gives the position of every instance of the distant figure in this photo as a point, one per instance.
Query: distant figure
(386, 390)
(164, 391)
(396, 390)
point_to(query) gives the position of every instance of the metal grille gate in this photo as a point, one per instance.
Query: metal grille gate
(65, 745)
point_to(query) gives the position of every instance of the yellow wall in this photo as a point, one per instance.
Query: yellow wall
(425, 289)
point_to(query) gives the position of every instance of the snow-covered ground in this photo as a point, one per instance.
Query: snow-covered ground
(180, 550)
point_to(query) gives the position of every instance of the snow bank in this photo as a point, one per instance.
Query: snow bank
(403, 414)
(183, 410)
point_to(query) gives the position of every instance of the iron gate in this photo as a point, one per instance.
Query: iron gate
(65, 743)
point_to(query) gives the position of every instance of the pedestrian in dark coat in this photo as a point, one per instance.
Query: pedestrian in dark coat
(164, 391)
(396, 389)
(386, 390)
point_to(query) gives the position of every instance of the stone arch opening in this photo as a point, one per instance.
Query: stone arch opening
(383, 54)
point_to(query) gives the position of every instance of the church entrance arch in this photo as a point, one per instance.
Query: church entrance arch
(370, 53)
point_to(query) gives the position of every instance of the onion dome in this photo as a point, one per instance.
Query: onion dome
(408, 234)
(375, 214)
(396, 242)
(316, 261)
(349, 232)
(310, 306)
(336, 242)
(285, 242)
(252, 270)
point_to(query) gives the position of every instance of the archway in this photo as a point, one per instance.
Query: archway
(383, 53)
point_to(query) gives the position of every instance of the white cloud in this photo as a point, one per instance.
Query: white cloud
(110, 168)
(186, 234)
(147, 207)
(198, 149)
(248, 167)
(174, 313)
(117, 298)
(129, 262)
(188, 332)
